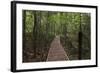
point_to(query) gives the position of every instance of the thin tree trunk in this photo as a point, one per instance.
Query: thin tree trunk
(34, 33)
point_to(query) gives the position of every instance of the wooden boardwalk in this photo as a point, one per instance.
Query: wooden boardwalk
(56, 51)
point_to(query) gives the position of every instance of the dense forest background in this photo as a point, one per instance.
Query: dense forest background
(41, 27)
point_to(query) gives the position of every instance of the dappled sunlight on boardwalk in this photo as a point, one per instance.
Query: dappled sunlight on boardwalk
(56, 51)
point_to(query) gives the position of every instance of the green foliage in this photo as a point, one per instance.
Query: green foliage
(43, 26)
(29, 21)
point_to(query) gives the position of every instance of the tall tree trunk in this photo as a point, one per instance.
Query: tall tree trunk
(80, 41)
(34, 33)
(24, 37)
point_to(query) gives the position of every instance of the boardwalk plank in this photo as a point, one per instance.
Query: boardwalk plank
(56, 51)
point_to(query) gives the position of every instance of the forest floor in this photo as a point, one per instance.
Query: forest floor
(56, 51)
